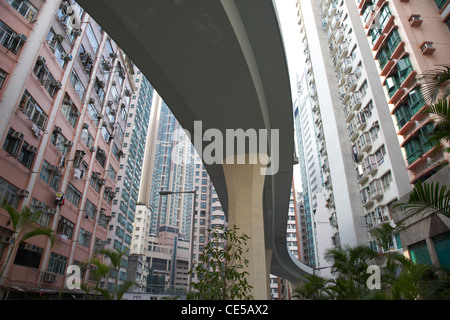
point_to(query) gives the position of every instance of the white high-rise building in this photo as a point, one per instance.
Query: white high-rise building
(363, 168)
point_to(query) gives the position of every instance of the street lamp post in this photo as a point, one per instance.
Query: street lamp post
(165, 193)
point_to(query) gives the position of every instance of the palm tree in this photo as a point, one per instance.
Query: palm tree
(102, 271)
(314, 288)
(25, 226)
(435, 87)
(427, 198)
(350, 265)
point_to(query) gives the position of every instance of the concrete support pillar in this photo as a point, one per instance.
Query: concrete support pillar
(245, 190)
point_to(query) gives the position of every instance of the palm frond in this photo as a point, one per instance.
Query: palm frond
(124, 287)
(434, 83)
(13, 214)
(427, 198)
(40, 231)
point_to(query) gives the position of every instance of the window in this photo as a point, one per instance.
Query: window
(65, 227)
(440, 3)
(3, 75)
(60, 142)
(386, 180)
(46, 79)
(419, 253)
(70, 112)
(77, 85)
(50, 175)
(384, 16)
(10, 39)
(57, 263)
(73, 195)
(28, 255)
(112, 173)
(54, 42)
(86, 137)
(92, 39)
(98, 88)
(101, 157)
(8, 192)
(25, 8)
(90, 209)
(13, 142)
(32, 110)
(93, 113)
(26, 155)
(105, 134)
(84, 238)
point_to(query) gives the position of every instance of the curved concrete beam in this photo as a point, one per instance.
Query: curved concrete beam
(221, 62)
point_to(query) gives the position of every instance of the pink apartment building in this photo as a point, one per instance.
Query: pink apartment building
(65, 89)
(408, 38)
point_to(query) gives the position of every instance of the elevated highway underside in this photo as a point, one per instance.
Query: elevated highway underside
(222, 63)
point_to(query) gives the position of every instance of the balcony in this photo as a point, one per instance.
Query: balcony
(364, 143)
(355, 100)
(361, 175)
(351, 83)
(340, 34)
(394, 89)
(343, 50)
(370, 164)
(347, 65)
(366, 197)
(335, 22)
(361, 120)
(376, 189)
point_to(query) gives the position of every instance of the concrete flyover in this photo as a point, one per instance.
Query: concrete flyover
(221, 62)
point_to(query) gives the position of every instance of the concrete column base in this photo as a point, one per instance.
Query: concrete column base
(245, 190)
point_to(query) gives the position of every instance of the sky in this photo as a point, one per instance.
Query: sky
(287, 14)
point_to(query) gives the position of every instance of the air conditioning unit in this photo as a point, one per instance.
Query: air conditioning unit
(95, 175)
(102, 181)
(57, 84)
(85, 126)
(41, 60)
(75, 113)
(58, 37)
(76, 32)
(17, 135)
(113, 55)
(80, 153)
(40, 204)
(52, 168)
(91, 100)
(106, 66)
(51, 211)
(22, 193)
(68, 144)
(49, 277)
(31, 149)
(57, 129)
(110, 103)
(67, 57)
(92, 149)
(5, 239)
